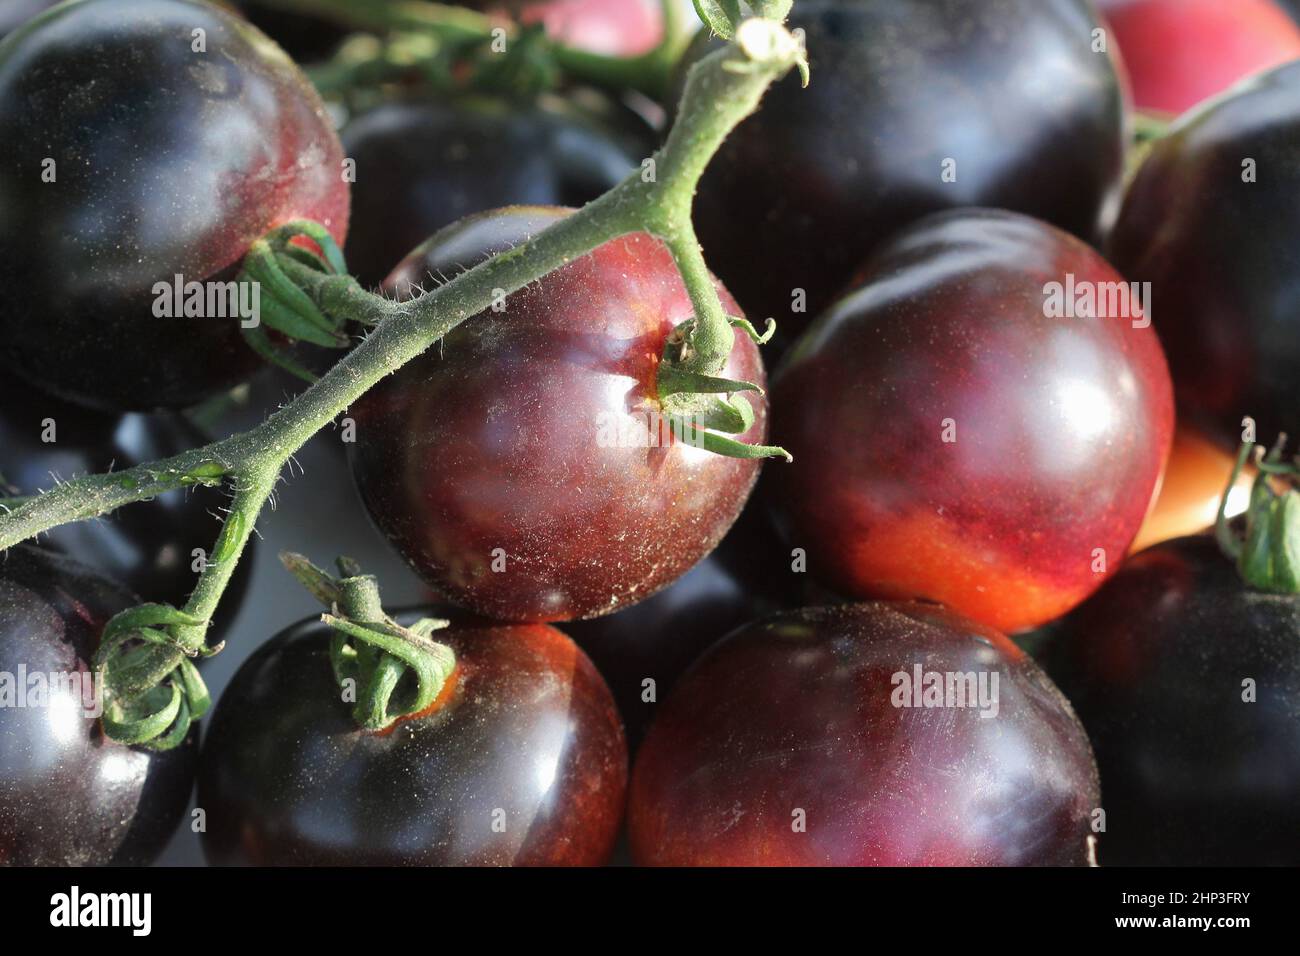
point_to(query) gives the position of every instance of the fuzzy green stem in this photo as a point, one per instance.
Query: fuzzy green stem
(360, 599)
(723, 89)
(253, 487)
(713, 336)
(694, 139)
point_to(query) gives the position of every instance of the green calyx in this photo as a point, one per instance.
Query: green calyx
(370, 652)
(705, 410)
(1268, 554)
(727, 19)
(151, 690)
(280, 267)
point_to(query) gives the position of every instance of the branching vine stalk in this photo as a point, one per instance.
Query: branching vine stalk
(721, 90)
(457, 28)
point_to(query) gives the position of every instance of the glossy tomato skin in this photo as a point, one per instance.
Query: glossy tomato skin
(798, 712)
(1179, 52)
(421, 165)
(748, 576)
(527, 727)
(17, 12)
(952, 442)
(69, 796)
(199, 155)
(510, 466)
(805, 189)
(1225, 269)
(1155, 664)
(147, 546)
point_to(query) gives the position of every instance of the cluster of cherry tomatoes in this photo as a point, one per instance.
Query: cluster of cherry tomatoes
(1016, 351)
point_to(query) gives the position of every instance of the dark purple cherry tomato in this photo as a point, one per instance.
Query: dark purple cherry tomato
(1197, 767)
(68, 795)
(148, 546)
(953, 442)
(165, 161)
(807, 739)
(519, 467)
(914, 106)
(521, 760)
(1210, 221)
(423, 165)
(746, 577)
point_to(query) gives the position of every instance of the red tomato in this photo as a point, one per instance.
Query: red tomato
(1179, 52)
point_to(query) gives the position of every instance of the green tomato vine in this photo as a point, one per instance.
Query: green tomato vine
(151, 688)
